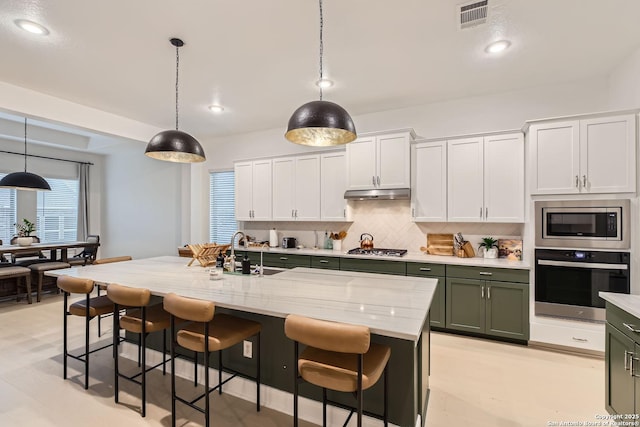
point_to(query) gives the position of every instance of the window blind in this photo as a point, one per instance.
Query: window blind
(222, 222)
(7, 213)
(57, 211)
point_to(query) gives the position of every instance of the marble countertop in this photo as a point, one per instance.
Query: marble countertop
(628, 303)
(409, 257)
(394, 306)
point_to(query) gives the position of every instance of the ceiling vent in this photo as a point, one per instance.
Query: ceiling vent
(472, 14)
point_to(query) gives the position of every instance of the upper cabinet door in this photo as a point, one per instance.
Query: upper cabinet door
(307, 188)
(429, 181)
(608, 154)
(284, 189)
(361, 158)
(262, 190)
(394, 166)
(243, 184)
(555, 158)
(465, 180)
(504, 178)
(333, 184)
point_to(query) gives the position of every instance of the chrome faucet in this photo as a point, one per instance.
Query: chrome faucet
(233, 252)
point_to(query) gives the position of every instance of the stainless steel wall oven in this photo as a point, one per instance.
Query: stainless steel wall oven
(568, 281)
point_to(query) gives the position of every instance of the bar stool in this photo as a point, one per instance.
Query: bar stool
(207, 334)
(143, 320)
(338, 357)
(88, 308)
(100, 286)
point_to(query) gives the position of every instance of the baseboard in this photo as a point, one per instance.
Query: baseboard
(567, 350)
(272, 398)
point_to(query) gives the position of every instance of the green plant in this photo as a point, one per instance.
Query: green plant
(488, 243)
(25, 228)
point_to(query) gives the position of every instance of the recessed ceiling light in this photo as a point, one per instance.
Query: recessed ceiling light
(31, 27)
(498, 46)
(216, 108)
(324, 83)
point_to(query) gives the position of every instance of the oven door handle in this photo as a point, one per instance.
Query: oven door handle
(595, 265)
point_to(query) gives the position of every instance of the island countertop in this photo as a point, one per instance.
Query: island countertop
(393, 306)
(627, 302)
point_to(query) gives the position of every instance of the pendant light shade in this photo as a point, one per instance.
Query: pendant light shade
(320, 123)
(175, 145)
(25, 180)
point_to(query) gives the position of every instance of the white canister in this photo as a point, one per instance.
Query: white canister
(273, 238)
(337, 245)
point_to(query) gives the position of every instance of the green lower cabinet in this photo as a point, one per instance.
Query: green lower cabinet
(284, 260)
(373, 266)
(488, 307)
(432, 271)
(326, 262)
(619, 384)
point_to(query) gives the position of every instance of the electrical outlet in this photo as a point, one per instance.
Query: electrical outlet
(247, 349)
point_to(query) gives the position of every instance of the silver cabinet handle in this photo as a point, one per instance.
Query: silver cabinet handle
(579, 339)
(425, 269)
(324, 261)
(283, 258)
(373, 179)
(482, 292)
(344, 213)
(488, 292)
(485, 273)
(631, 370)
(631, 327)
(577, 182)
(296, 214)
(584, 181)
(480, 211)
(378, 180)
(486, 213)
(626, 359)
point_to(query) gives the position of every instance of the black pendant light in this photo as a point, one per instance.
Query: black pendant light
(320, 123)
(25, 180)
(175, 145)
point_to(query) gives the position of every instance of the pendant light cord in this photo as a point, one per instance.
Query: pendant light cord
(25, 144)
(177, 68)
(321, 46)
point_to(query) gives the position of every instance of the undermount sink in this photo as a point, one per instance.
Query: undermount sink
(268, 271)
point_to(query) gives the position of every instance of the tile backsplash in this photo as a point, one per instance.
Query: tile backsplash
(388, 221)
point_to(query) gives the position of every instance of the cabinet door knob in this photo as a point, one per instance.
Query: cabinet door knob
(577, 182)
(482, 292)
(485, 273)
(373, 179)
(486, 213)
(283, 258)
(488, 292)
(425, 269)
(584, 181)
(324, 261)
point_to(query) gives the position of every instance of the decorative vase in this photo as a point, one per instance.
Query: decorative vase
(24, 241)
(491, 253)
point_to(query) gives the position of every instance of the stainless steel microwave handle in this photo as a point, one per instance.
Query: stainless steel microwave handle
(596, 265)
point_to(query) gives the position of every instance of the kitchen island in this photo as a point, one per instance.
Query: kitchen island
(395, 308)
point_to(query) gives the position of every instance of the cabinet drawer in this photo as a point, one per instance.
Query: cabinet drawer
(425, 269)
(270, 260)
(497, 274)
(327, 262)
(623, 321)
(373, 266)
(284, 260)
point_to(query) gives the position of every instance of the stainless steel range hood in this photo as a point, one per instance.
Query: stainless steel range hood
(376, 194)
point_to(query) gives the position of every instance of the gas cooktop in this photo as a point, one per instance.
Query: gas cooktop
(378, 252)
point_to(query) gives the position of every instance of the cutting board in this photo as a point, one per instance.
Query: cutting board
(440, 244)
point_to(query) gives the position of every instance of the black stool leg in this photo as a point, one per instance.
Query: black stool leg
(386, 396)
(143, 338)
(294, 369)
(258, 375)
(207, 420)
(116, 329)
(64, 333)
(86, 339)
(324, 407)
(164, 352)
(195, 369)
(219, 371)
(360, 397)
(173, 371)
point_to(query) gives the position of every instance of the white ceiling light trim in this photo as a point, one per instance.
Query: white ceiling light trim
(31, 27)
(216, 108)
(324, 83)
(497, 47)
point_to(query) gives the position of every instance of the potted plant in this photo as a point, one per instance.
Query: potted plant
(24, 230)
(490, 246)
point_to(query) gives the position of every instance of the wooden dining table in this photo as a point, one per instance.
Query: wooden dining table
(52, 247)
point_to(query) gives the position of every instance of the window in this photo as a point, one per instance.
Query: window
(222, 216)
(57, 211)
(7, 213)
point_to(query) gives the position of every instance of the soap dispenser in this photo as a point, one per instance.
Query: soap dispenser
(246, 264)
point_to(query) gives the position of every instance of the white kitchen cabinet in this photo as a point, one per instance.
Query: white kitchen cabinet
(485, 178)
(333, 184)
(296, 188)
(429, 181)
(253, 190)
(584, 155)
(380, 161)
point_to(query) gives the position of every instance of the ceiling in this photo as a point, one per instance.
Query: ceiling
(259, 59)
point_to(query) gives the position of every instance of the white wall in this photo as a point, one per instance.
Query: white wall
(624, 83)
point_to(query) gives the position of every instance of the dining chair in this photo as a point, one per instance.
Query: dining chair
(338, 356)
(207, 333)
(88, 308)
(88, 254)
(139, 318)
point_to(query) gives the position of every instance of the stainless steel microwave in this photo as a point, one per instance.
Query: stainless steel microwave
(597, 224)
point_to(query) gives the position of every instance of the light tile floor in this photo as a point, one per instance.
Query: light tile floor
(473, 382)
